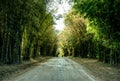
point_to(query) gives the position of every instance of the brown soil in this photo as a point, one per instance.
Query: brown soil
(100, 70)
(7, 71)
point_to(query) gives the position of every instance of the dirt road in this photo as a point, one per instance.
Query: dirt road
(57, 69)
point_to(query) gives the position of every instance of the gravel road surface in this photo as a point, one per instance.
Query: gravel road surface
(57, 69)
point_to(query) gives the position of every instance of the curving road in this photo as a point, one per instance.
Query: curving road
(57, 69)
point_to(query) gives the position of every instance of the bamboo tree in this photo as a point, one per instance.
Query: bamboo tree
(103, 15)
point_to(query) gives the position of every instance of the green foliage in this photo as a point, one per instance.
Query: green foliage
(74, 42)
(25, 28)
(104, 22)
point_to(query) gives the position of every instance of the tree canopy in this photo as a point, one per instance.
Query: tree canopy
(26, 30)
(98, 36)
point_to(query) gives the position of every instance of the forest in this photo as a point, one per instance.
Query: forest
(26, 31)
(92, 31)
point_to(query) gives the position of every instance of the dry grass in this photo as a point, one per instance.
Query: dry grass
(100, 70)
(7, 71)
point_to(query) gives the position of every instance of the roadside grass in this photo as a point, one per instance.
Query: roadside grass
(105, 72)
(8, 71)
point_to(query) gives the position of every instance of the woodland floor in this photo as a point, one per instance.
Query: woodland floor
(7, 71)
(100, 70)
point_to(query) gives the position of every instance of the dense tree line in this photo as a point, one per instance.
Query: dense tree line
(75, 36)
(103, 17)
(26, 30)
(102, 30)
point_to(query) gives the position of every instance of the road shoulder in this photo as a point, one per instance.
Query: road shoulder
(100, 70)
(11, 71)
